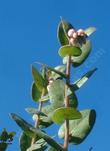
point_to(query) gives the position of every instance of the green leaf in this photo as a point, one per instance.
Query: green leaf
(40, 145)
(63, 113)
(56, 92)
(24, 142)
(80, 82)
(73, 101)
(36, 93)
(52, 149)
(47, 121)
(69, 50)
(33, 132)
(77, 61)
(39, 81)
(4, 135)
(3, 146)
(11, 135)
(44, 71)
(57, 72)
(90, 30)
(80, 128)
(35, 111)
(23, 124)
(63, 28)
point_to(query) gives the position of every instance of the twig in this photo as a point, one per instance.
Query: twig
(66, 139)
(37, 122)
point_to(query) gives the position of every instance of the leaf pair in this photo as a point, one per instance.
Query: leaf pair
(56, 92)
(40, 83)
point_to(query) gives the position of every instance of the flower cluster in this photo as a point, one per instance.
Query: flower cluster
(77, 36)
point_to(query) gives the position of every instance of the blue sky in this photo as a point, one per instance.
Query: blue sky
(28, 34)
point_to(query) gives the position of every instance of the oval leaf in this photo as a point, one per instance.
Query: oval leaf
(80, 82)
(61, 114)
(40, 145)
(25, 142)
(48, 110)
(36, 93)
(58, 72)
(77, 61)
(63, 28)
(73, 100)
(80, 128)
(39, 81)
(56, 92)
(90, 30)
(69, 51)
(52, 149)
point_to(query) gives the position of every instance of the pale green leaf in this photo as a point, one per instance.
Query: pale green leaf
(69, 50)
(52, 149)
(80, 128)
(90, 30)
(63, 113)
(56, 92)
(40, 145)
(77, 61)
(57, 72)
(80, 82)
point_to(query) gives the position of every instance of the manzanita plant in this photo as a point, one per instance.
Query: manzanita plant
(56, 96)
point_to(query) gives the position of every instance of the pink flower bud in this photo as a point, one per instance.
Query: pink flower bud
(70, 32)
(71, 40)
(80, 32)
(75, 35)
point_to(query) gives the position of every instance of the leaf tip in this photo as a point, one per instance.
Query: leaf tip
(12, 115)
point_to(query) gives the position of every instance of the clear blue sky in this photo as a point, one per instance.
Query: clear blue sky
(28, 34)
